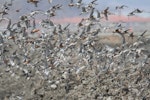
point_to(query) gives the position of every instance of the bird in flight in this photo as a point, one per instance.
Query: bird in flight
(50, 1)
(106, 12)
(121, 7)
(33, 1)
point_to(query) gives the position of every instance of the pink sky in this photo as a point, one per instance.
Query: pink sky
(115, 18)
(112, 18)
(68, 20)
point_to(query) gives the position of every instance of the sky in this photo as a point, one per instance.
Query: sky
(67, 14)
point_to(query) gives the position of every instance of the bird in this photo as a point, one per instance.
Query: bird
(8, 22)
(121, 7)
(131, 35)
(131, 13)
(121, 34)
(1, 39)
(91, 17)
(18, 10)
(93, 2)
(84, 10)
(33, 1)
(138, 11)
(135, 12)
(126, 31)
(71, 4)
(143, 33)
(50, 1)
(105, 12)
(81, 22)
(35, 30)
(79, 3)
(120, 26)
(98, 14)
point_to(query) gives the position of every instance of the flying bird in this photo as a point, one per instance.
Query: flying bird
(121, 7)
(131, 35)
(138, 11)
(105, 12)
(79, 3)
(71, 4)
(131, 13)
(50, 1)
(143, 33)
(33, 1)
(93, 2)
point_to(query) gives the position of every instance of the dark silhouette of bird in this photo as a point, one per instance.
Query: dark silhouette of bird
(93, 2)
(143, 33)
(106, 12)
(81, 22)
(138, 11)
(121, 7)
(99, 14)
(131, 13)
(126, 31)
(131, 35)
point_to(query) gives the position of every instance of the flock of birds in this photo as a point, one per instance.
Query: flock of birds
(68, 51)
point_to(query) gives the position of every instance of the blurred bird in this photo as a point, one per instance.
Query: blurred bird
(93, 2)
(99, 15)
(79, 3)
(33, 1)
(92, 14)
(143, 33)
(71, 4)
(84, 10)
(35, 30)
(131, 35)
(138, 11)
(131, 14)
(106, 12)
(50, 1)
(126, 31)
(121, 7)
(81, 22)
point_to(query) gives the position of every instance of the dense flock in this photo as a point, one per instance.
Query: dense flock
(51, 61)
